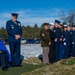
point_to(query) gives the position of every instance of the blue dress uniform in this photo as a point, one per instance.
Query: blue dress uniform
(14, 28)
(66, 44)
(61, 49)
(73, 42)
(5, 57)
(70, 44)
(58, 36)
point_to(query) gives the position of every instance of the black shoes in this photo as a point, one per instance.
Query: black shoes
(16, 65)
(4, 69)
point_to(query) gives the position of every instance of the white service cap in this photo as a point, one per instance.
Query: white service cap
(65, 25)
(52, 24)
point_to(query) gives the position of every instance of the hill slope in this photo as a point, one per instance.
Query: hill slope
(54, 69)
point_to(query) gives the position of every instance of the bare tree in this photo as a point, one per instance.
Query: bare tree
(68, 17)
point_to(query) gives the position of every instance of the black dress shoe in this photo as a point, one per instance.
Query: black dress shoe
(4, 69)
(18, 65)
(13, 65)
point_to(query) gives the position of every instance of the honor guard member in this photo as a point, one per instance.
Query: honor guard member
(57, 31)
(46, 41)
(66, 42)
(73, 40)
(14, 30)
(52, 46)
(70, 41)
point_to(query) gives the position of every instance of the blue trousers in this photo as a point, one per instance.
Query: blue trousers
(66, 52)
(15, 52)
(57, 51)
(73, 50)
(61, 52)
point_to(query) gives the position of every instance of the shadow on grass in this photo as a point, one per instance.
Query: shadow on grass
(20, 70)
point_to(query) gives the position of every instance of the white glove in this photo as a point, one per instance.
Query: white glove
(64, 43)
(72, 42)
(64, 39)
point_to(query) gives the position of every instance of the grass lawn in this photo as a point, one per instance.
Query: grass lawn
(33, 66)
(20, 70)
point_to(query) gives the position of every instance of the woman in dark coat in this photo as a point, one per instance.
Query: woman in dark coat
(52, 52)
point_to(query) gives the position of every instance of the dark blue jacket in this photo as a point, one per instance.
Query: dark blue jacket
(73, 36)
(13, 29)
(57, 33)
(66, 36)
(3, 48)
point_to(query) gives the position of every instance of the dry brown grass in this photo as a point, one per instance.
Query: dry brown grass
(52, 69)
(34, 60)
